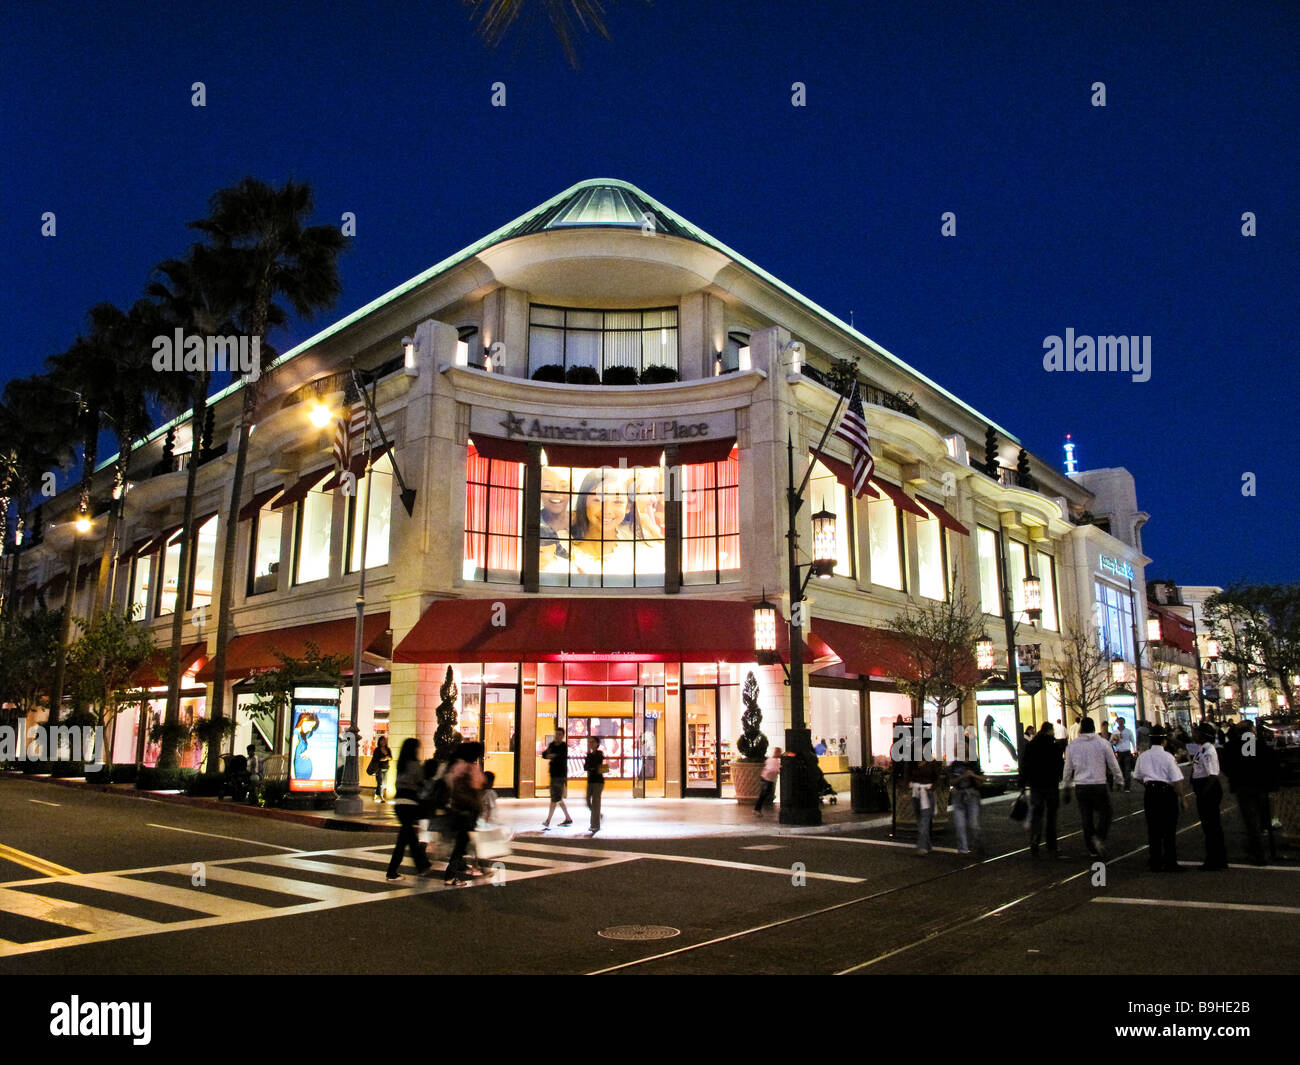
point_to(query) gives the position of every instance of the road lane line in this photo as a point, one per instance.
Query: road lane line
(236, 839)
(685, 859)
(31, 861)
(1243, 907)
(42, 802)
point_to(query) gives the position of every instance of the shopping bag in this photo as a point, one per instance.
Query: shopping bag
(1019, 808)
(489, 841)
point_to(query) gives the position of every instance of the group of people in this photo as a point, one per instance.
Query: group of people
(453, 793)
(612, 509)
(1093, 764)
(556, 754)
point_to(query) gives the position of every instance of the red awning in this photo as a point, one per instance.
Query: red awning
(945, 518)
(159, 540)
(901, 499)
(1175, 630)
(256, 651)
(357, 467)
(250, 509)
(705, 451)
(666, 629)
(592, 455)
(301, 488)
(878, 652)
(493, 447)
(843, 471)
(152, 672)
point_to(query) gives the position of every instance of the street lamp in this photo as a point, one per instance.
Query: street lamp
(765, 632)
(320, 415)
(1153, 630)
(984, 654)
(1184, 681)
(824, 548)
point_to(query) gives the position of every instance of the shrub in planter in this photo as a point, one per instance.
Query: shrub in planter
(68, 769)
(30, 767)
(658, 375)
(205, 784)
(618, 375)
(272, 793)
(746, 771)
(582, 375)
(102, 777)
(153, 779)
(125, 774)
(552, 371)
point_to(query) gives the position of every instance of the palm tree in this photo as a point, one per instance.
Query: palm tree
(567, 17)
(185, 291)
(258, 241)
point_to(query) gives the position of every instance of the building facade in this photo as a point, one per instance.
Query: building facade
(588, 555)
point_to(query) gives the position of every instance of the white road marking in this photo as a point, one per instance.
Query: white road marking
(236, 839)
(685, 859)
(769, 846)
(1242, 907)
(42, 802)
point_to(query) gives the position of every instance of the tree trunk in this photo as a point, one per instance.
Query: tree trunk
(217, 710)
(169, 758)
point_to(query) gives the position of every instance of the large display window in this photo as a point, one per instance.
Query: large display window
(1047, 574)
(205, 563)
(986, 543)
(931, 559)
(711, 521)
(171, 569)
(494, 528)
(315, 523)
(486, 712)
(373, 491)
(570, 337)
(602, 527)
(827, 493)
(141, 568)
(264, 573)
(886, 534)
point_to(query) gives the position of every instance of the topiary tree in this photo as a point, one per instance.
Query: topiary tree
(752, 744)
(991, 463)
(446, 737)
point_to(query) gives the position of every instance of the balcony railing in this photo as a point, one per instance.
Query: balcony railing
(902, 402)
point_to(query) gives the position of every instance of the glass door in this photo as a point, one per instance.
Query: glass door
(700, 711)
(638, 743)
(500, 743)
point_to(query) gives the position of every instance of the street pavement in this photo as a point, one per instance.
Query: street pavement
(94, 884)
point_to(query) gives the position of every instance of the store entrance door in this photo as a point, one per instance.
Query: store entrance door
(700, 713)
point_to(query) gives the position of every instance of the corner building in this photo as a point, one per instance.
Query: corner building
(588, 555)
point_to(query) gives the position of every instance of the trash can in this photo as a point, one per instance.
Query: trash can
(860, 789)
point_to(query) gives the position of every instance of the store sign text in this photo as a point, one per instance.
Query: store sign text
(653, 431)
(1115, 566)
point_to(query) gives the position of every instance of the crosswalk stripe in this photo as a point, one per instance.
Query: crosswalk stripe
(73, 915)
(195, 899)
(284, 885)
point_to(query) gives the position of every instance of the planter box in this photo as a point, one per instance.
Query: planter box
(747, 778)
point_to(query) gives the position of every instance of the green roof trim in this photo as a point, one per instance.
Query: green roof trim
(595, 202)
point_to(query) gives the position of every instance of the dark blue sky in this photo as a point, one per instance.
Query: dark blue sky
(1117, 220)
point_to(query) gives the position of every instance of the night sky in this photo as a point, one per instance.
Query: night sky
(1123, 219)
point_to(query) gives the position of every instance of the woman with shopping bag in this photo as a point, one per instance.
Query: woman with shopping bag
(409, 777)
(464, 804)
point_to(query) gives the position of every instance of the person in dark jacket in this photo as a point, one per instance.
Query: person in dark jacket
(1252, 774)
(410, 776)
(379, 763)
(465, 784)
(1041, 773)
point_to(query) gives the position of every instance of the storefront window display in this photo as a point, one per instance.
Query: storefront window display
(836, 724)
(826, 492)
(486, 713)
(264, 571)
(1054, 695)
(494, 498)
(191, 751)
(711, 521)
(602, 527)
(887, 708)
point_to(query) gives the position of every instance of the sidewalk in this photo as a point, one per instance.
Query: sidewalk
(624, 817)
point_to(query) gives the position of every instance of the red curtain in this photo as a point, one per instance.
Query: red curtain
(493, 517)
(711, 516)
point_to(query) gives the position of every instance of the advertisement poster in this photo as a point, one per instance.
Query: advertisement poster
(1121, 708)
(314, 741)
(996, 731)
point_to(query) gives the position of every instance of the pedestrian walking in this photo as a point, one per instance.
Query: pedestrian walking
(1162, 793)
(410, 776)
(1209, 798)
(1124, 743)
(1248, 761)
(768, 777)
(921, 778)
(1041, 773)
(964, 798)
(380, 760)
(1091, 767)
(557, 757)
(594, 764)
(465, 784)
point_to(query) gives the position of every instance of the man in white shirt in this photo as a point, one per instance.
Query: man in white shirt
(1209, 796)
(1162, 791)
(1125, 744)
(1090, 766)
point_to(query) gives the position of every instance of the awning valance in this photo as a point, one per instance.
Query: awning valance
(160, 540)
(880, 653)
(493, 447)
(300, 488)
(665, 629)
(152, 672)
(256, 651)
(945, 518)
(250, 509)
(593, 455)
(901, 499)
(843, 471)
(1175, 630)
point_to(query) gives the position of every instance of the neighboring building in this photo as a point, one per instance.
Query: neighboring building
(591, 554)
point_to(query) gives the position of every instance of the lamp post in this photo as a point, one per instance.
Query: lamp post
(81, 525)
(1137, 655)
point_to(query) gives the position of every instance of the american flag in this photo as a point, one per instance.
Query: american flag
(853, 428)
(350, 429)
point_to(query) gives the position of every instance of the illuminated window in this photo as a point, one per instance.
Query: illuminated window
(885, 530)
(205, 561)
(141, 567)
(825, 491)
(711, 521)
(1046, 572)
(264, 569)
(601, 339)
(374, 490)
(1017, 571)
(986, 541)
(931, 559)
(171, 568)
(494, 508)
(1114, 620)
(315, 520)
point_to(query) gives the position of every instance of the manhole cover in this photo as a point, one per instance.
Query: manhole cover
(639, 931)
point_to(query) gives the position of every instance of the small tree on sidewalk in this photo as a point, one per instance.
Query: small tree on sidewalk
(100, 664)
(273, 688)
(446, 737)
(752, 744)
(1087, 672)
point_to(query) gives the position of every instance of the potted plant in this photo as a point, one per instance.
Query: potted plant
(746, 771)
(618, 375)
(658, 375)
(552, 371)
